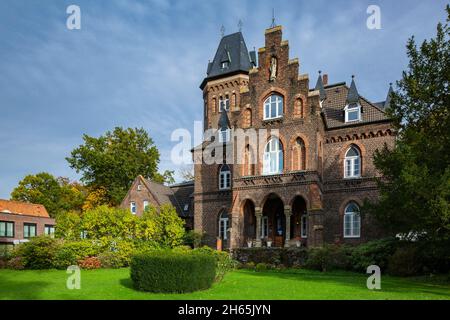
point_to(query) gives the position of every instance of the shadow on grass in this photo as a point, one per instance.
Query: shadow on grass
(20, 290)
(127, 283)
(358, 281)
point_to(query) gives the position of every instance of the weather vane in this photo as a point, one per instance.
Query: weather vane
(240, 24)
(222, 30)
(273, 18)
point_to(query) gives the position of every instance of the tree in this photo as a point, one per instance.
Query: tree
(169, 227)
(114, 160)
(55, 194)
(415, 190)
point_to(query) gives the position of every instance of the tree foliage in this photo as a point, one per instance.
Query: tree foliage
(105, 224)
(56, 194)
(113, 160)
(415, 194)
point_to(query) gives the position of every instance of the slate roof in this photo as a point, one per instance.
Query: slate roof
(319, 86)
(177, 195)
(337, 99)
(184, 193)
(232, 48)
(23, 208)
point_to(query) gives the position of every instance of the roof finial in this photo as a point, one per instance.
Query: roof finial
(240, 24)
(320, 72)
(353, 76)
(273, 18)
(222, 30)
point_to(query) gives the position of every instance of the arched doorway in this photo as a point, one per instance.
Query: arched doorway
(249, 222)
(299, 220)
(273, 221)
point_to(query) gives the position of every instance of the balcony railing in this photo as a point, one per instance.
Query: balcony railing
(294, 177)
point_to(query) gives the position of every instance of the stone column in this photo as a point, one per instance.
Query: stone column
(287, 214)
(258, 215)
(234, 232)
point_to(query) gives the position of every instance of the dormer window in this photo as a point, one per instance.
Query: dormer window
(224, 135)
(225, 64)
(224, 103)
(353, 112)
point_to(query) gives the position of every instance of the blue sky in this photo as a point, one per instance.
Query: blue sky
(140, 63)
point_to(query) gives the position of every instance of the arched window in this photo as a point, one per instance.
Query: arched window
(273, 157)
(273, 107)
(223, 225)
(352, 163)
(298, 155)
(249, 162)
(225, 178)
(352, 221)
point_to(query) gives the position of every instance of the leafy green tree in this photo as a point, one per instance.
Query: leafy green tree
(169, 226)
(56, 194)
(415, 191)
(68, 225)
(115, 159)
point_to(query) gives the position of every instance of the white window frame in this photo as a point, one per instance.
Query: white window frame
(349, 109)
(273, 157)
(139, 187)
(224, 103)
(186, 206)
(351, 163)
(264, 227)
(145, 204)
(351, 218)
(224, 179)
(224, 135)
(225, 64)
(304, 226)
(274, 101)
(133, 207)
(223, 228)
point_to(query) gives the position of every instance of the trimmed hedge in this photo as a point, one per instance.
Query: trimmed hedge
(167, 271)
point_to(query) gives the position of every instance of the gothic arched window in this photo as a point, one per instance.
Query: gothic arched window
(273, 157)
(352, 163)
(352, 221)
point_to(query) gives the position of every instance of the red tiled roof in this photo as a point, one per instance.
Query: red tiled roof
(23, 208)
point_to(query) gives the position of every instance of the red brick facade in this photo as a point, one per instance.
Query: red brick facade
(314, 138)
(22, 214)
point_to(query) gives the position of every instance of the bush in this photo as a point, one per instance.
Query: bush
(90, 263)
(193, 239)
(70, 252)
(261, 267)
(329, 257)
(118, 255)
(38, 253)
(373, 253)
(15, 263)
(404, 262)
(224, 261)
(166, 271)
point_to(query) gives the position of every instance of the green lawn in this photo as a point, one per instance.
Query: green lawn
(240, 284)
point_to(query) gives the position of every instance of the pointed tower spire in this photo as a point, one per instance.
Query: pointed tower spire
(224, 122)
(320, 87)
(353, 95)
(387, 103)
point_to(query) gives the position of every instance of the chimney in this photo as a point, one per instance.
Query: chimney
(325, 79)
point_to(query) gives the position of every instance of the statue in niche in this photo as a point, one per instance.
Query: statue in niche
(273, 69)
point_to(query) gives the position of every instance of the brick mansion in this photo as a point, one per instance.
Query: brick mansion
(305, 184)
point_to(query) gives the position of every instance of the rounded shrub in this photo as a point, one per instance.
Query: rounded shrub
(38, 253)
(167, 271)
